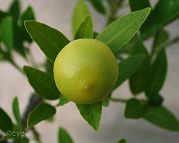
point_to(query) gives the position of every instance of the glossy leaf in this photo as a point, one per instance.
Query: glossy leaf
(5, 121)
(49, 39)
(135, 109)
(122, 141)
(80, 12)
(158, 74)
(128, 67)
(63, 101)
(164, 12)
(118, 33)
(91, 113)
(64, 136)
(16, 111)
(41, 112)
(162, 117)
(99, 6)
(86, 29)
(6, 32)
(43, 83)
(139, 5)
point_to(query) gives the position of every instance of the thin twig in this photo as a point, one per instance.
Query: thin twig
(118, 100)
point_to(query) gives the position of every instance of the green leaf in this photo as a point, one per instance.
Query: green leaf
(135, 109)
(139, 5)
(164, 12)
(128, 67)
(158, 73)
(64, 137)
(41, 112)
(49, 39)
(63, 101)
(28, 14)
(6, 32)
(162, 117)
(16, 111)
(2, 15)
(118, 33)
(80, 12)
(86, 29)
(91, 113)
(122, 141)
(43, 83)
(14, 9)
(99, 6)
(5, 122)
(137, 81)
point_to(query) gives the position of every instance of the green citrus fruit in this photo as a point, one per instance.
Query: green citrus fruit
(85, 71)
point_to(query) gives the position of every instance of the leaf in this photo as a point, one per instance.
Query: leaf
(6, 32)
(86, 29)
(41, 112)
(118, 33)
(49, 39)
(43, 83)
(122, 141)
(64, 137)
(5, 122)
(135, 109)
(63, 101)
(158, 73)
(14, 9)
(80, 12)
(2, 15)
(16, 111)
(28, 14)
(139, 5)
(99, 6)
(137, 81)
(91, 113)
(164, 12)
(162, 117)
(128, 67)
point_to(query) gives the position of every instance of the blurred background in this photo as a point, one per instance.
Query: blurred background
(57, 14)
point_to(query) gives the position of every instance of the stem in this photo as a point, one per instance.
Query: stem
(118, 100)
(113, 9)
(16, 66)
(36, 135)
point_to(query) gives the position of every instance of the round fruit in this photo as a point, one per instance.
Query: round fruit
(85, 71)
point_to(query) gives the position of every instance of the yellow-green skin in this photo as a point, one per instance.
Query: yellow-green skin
(85, 71)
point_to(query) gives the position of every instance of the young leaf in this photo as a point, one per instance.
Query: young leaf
(122, 141)
(41, 112)
(158, 73)
(5, 122)
(128, 67)
(49, 39)
(6, 32)
(43, 83)
(99, 6)
(139, 5)
(81, 11)
(16, 111)
(162, 117)
(91, 113)
(164, 12)
(135, 109)
(86, 29)
(64, 137)
(118, 33)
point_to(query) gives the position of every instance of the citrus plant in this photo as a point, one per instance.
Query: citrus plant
(88, 68)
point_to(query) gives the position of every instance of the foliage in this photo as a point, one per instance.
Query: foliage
(146, 70)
